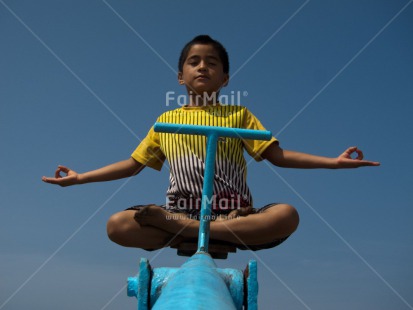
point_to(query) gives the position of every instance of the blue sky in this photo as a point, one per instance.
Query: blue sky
(81, 82)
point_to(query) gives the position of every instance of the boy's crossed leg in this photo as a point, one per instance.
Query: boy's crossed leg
(152, 227)
(123, 229)
(276, 222)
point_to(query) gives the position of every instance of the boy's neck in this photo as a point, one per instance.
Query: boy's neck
(203, 100)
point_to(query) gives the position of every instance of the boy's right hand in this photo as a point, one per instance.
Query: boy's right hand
(71, 177)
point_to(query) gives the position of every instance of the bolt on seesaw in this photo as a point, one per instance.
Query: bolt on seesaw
(198, 284)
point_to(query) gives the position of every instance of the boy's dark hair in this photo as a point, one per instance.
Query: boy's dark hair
(205, 39)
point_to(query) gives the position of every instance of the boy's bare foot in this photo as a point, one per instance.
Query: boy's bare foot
(150, 215)
(175, 223)
(239, 212)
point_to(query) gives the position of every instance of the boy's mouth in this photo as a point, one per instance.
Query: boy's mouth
(202, 77)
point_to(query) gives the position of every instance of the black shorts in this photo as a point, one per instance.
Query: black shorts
(196, 215)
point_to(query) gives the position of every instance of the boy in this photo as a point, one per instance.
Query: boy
(204, 70)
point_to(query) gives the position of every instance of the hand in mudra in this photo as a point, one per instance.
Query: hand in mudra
(71, 177)
(345, 160)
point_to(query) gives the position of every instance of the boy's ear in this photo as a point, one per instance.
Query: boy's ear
(226, 80)
(180, 80)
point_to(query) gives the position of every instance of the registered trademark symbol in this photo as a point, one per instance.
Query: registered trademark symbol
(245, 93)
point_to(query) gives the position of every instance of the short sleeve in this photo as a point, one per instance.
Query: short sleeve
(149, 151)
(255, 147)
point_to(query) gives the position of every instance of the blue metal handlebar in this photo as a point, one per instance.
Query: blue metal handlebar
(241, 133)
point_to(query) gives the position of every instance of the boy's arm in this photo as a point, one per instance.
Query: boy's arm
(291, 159)
(119, 170)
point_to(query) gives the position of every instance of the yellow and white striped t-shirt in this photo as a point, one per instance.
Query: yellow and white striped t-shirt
(186, 156)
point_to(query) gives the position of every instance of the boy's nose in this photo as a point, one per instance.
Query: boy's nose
(202, 66)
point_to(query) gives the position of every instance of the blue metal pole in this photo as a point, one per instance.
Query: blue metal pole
(207, 192)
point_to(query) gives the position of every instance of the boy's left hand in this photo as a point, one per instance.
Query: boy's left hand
(346, 161)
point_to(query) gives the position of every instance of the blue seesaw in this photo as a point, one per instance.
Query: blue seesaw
(198, 283)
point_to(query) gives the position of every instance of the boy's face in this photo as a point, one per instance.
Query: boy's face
(202, 71)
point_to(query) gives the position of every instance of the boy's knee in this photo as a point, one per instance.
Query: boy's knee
(294, 217)
(116, 227)
(291, 217)
(111, 227)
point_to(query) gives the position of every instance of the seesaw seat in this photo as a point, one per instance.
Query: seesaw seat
(217, 249)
